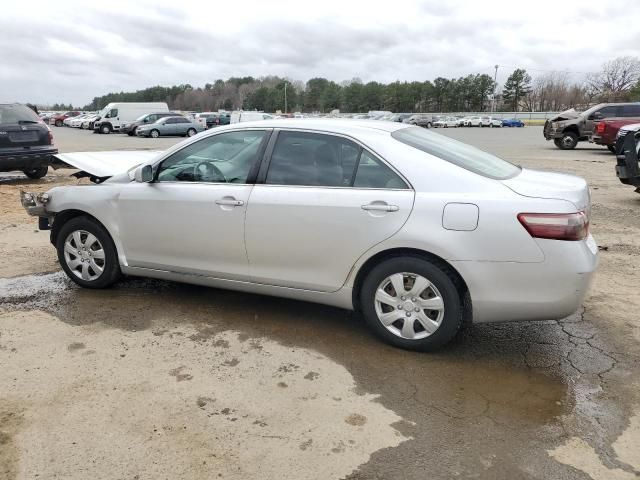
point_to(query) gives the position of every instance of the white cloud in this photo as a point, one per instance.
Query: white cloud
(73, 51)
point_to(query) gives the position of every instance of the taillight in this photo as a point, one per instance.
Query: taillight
(50, 138)
(600, 127)
(556, 226)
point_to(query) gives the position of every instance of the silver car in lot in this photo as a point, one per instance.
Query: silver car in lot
(415, 230)
(170, 126)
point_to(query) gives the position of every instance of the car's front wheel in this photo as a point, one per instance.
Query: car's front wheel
(154, 133)
(87, 253)
(568, 141)
(106, 129)
(412, 303)
(36, 173)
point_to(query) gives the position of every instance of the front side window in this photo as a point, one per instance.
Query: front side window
(224, 158)
(458, 153)
(113, 113)
(607, 112)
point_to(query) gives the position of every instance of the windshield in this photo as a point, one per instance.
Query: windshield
(17, 114)
(458, 153)
(141, 117)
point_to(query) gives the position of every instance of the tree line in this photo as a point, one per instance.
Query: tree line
(618, 80)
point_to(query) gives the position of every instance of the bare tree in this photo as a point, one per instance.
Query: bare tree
(616, 78)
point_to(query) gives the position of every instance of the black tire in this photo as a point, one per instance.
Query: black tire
(131, 133)
(59, 123)
(191, 132)
(428, 125)
(556, 142)
(439, 276)
(111, 268)
(568, 141)
(105, 129)
(611, 148)
(154, 133)
(36, 173)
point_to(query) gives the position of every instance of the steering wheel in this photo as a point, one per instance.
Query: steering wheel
(208, 171)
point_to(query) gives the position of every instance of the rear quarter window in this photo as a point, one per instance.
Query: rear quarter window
(458, 153)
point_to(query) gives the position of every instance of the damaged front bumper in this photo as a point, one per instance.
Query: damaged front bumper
(36, 205)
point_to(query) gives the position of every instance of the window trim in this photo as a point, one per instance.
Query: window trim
(266, 161)
(253, 171)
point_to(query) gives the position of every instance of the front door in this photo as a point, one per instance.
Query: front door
(324, 202)
(191, 218)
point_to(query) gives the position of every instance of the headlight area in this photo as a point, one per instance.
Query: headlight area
(35, 205)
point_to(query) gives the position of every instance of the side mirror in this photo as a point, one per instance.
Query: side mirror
(144, 174)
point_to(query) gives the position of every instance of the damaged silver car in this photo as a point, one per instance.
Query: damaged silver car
(414, 229)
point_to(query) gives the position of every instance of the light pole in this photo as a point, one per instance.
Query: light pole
(285, 96)
(493, 97)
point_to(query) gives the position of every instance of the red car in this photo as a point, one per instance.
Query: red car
(58, 120)
(605, 131)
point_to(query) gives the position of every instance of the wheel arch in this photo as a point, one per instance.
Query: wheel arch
(572, 128)
(379, 257)
(64, 216)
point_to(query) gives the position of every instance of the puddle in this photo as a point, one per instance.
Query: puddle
(496, 388)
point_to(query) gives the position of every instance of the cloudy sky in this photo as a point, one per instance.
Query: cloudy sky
(71, 51)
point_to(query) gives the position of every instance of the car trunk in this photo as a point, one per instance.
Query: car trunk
(560, 186)
(22, 136)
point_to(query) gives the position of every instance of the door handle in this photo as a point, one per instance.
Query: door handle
(232, 202)
(380, 207)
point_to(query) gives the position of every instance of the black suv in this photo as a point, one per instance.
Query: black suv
(130, 128)
(26, 142)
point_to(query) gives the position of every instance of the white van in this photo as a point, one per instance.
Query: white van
(241, 116)
(112, 117)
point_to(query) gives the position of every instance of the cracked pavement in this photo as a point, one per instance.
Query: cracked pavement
(157, 379)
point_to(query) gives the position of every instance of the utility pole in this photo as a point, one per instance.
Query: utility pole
(493, 97)
(285, 96)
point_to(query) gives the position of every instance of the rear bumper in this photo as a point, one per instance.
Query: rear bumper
(23, 159)
(549, 290)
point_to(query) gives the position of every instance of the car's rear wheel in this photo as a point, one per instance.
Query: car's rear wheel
(154, 133)
(87, 253)
(568, 141)
(191, 132)
(37, 172)
(411, 303)
(611, 148)
(58, 123)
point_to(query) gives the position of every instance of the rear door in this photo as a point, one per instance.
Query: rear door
(321, 201)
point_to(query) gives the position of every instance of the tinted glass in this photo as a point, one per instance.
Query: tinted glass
(181, 120)
(224, 158)
(372, 173)
(313, 159)
(607, 112)
(17, 114)
(458, 153)
(631, 111)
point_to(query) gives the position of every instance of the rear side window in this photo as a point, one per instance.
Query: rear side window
(631, 110)
(372, 173)
(17, 114)
(458, 153)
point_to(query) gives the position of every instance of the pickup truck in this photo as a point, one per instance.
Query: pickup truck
(606, 131)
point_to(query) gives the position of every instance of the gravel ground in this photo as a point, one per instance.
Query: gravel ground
(155, 379)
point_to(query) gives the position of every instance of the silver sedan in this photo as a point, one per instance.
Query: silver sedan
(415, 230)
(169, 126)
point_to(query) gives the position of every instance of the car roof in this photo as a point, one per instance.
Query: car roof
(331, 125)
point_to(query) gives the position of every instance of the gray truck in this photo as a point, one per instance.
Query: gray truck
(570, 127)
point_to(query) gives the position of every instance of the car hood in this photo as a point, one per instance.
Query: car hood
(104, 164)
(566, 115)
(560, 186)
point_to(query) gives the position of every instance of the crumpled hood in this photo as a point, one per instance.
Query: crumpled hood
(566, 115)
(561, 186)
(104, 164)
